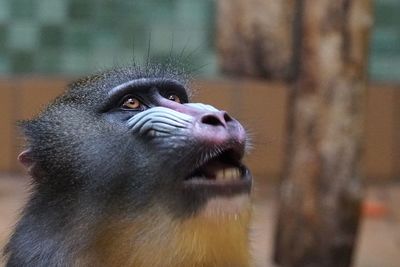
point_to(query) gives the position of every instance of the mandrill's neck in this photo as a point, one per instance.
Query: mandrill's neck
(158, 240)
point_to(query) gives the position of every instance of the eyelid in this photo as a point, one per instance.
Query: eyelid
(181, 96)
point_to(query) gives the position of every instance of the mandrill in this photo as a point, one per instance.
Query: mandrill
(127, 172)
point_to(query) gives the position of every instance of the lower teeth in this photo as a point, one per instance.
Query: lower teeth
(228, 174)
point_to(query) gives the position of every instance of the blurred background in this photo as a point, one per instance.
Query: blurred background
(45, 44)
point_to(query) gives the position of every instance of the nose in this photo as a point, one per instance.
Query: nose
(217, 118)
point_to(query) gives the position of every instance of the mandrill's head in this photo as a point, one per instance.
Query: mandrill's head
(127, 172)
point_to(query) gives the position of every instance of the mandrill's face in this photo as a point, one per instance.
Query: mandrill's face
(140, 142)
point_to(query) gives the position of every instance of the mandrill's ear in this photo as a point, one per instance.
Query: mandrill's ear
(26, 158)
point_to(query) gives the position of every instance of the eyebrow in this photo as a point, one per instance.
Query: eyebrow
(146, 83)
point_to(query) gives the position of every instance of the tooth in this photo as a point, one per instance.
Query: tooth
(220, 175)
(237, 173)
(230, 174)
(225, 174)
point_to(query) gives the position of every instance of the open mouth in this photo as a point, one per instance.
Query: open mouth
(222, 173)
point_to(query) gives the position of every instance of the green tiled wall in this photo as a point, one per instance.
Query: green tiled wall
(385, 45)
(81, 36)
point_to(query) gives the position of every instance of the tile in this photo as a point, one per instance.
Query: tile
(80, 10)
(209, 19)
(189, 41)
(4, 65)
(3, 38)
(105, 11)
(387, 14)
(74, 62)
(23, 9)
(79, 36)
(107, 39)
(385, 68)
(135, 39)
(100, 32)
(22, 62)
(47, 61)
(51, 36)
(52, 11)
(162, 39)
(103, 58)
(4, 11)
(22, 35)
(190, 12)
(386, 40)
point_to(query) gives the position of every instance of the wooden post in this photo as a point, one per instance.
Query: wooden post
(254, 37)
(322, 45)
(320, 195)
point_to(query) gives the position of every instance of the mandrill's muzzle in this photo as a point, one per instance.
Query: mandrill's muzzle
(219, 169)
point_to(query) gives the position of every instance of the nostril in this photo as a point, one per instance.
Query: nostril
(219, 118)
(212, 119)
(227, 117)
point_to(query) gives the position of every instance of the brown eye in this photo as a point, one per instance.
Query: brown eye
(131, 103)
(174, 98)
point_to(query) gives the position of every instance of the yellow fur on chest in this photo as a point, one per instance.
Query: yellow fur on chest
(159, 241)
